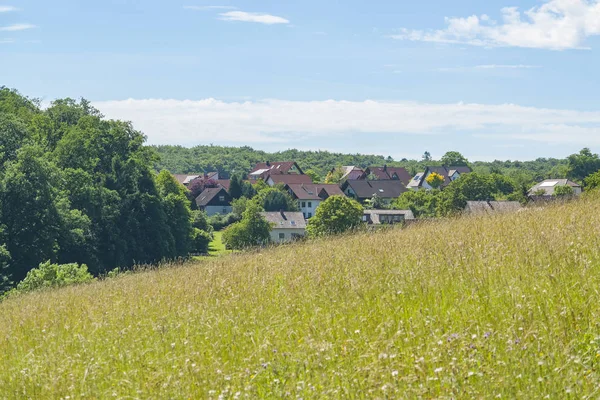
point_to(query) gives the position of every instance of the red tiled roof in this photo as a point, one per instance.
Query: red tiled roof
(289, 179)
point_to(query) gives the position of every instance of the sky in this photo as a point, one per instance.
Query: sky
(494, 79)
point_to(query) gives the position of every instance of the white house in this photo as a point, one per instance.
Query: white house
(449, 174)
(310, 196)
(285, 226)
(546, 188)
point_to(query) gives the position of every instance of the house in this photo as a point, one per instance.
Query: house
(266, 169)
(450, 174)
(389, 173)
(214, 201)
(489, 207)
(350, 173)
(186, 179)
(387, 217)
(288, 179)
(310, 196)
(285, 226)
(545, 189)
(365, 190)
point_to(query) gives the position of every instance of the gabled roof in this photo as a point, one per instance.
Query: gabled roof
(384, 189)
(386, 173)
(485, 207)
(289, 179)
(314, 191)
(282, 167)
(447, 172)
(352, 172)
(224, 183)
(208, 194)
(285, 219)
(550, 184)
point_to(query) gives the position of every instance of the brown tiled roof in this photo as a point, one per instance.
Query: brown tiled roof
(386, 173)
(185, 179)
(352, 172)
(384, 189)
(285, 219)
(224, 183)
(289, 179)
(282, 167)
(314, 191)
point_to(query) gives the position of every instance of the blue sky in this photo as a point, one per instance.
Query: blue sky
(500, 79)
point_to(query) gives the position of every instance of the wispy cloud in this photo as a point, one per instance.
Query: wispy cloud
(206, 8)
(280, 121)
(253, 17)
(16, 27)
(488, 67)
(555, 25)
(4, 9)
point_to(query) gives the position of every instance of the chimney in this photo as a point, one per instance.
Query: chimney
(385, 168)
(283, 214)
(268, 163)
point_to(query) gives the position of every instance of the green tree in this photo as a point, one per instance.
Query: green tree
(236, 187)
(275, 199)
(427, 156)
(454, 159)
(177, 210)
(335, 176)
(5, 279)
(583, 164)
(470, 187)
(592, 182)
(423, 203)
(48, 275)
(314, 176)
(335, 215)
(253, 230)
(563, 191)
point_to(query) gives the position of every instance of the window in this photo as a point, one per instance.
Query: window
(281, 236)
(224, 211)
(309, 215)
(303, 204)
(304, 215)
(310, 204)
(221, 198)
(293, 223)
(365, 218)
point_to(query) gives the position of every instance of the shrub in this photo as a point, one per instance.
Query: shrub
(252, 231)
(48, 275)
(220, 222)
(200, 241)
(335, 215)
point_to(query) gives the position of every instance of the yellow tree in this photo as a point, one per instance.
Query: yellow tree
(435, 180)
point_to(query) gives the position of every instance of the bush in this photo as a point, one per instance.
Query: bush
(48, 275)
(200, 241)
(220, 222)
(335, 215)
(252, 231)
(200, 221)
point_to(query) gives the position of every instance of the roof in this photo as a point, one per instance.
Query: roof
(550, 184)
(314, 191)
(289, 179)
(224, 183)
(285, 219)
(352, 172)
(482, 207)
(386, 173)
(185, 179)
(282, 167)
(446, 172)
(208, 194)
(374, 214)
(385, 189)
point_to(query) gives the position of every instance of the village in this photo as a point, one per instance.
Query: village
(375, 188)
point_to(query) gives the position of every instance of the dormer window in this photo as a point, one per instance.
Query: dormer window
(221, 198)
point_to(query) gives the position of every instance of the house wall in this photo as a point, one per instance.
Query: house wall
(310, 207)
(287, 233)
(577, 191)
(212, 210)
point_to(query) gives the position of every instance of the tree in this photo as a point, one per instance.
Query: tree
(583, 164)
(48, 275)
(375, 203)
(470, 187)
(178, 212)
(592, 181)
(435, 180)
(454, 159)
(275, 199)
(200, 184)
(423, 203)
(235, 187)
(563, 191)
(253, 230)
(5, 282)
(335, 176)
(427, 156)
(314, 177)
(335, 215)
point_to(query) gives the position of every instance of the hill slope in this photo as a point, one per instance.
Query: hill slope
(477, 307)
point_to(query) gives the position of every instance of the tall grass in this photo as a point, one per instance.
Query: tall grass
(483, 307)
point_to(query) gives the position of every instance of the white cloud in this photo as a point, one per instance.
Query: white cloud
(189, 122)
(16, 27)
(205, 8)
(555, 25)
(4, 9)
(488, 67)
(253, 17)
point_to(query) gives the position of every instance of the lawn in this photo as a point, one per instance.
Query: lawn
(216, 247)
(481, 307)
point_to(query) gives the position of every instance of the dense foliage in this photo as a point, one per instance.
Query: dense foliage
(48, 275)
(253, 230)
(335, 215)
(76, 188)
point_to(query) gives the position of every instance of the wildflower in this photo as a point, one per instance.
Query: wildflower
(438, 370)
(487, 335)
(394, 373)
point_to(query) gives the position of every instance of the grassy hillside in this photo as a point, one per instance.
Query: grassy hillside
(480, 307)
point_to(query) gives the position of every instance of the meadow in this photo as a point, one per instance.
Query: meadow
(503, 306)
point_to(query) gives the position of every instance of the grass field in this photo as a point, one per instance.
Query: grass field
(495, 307)
(216, 247)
